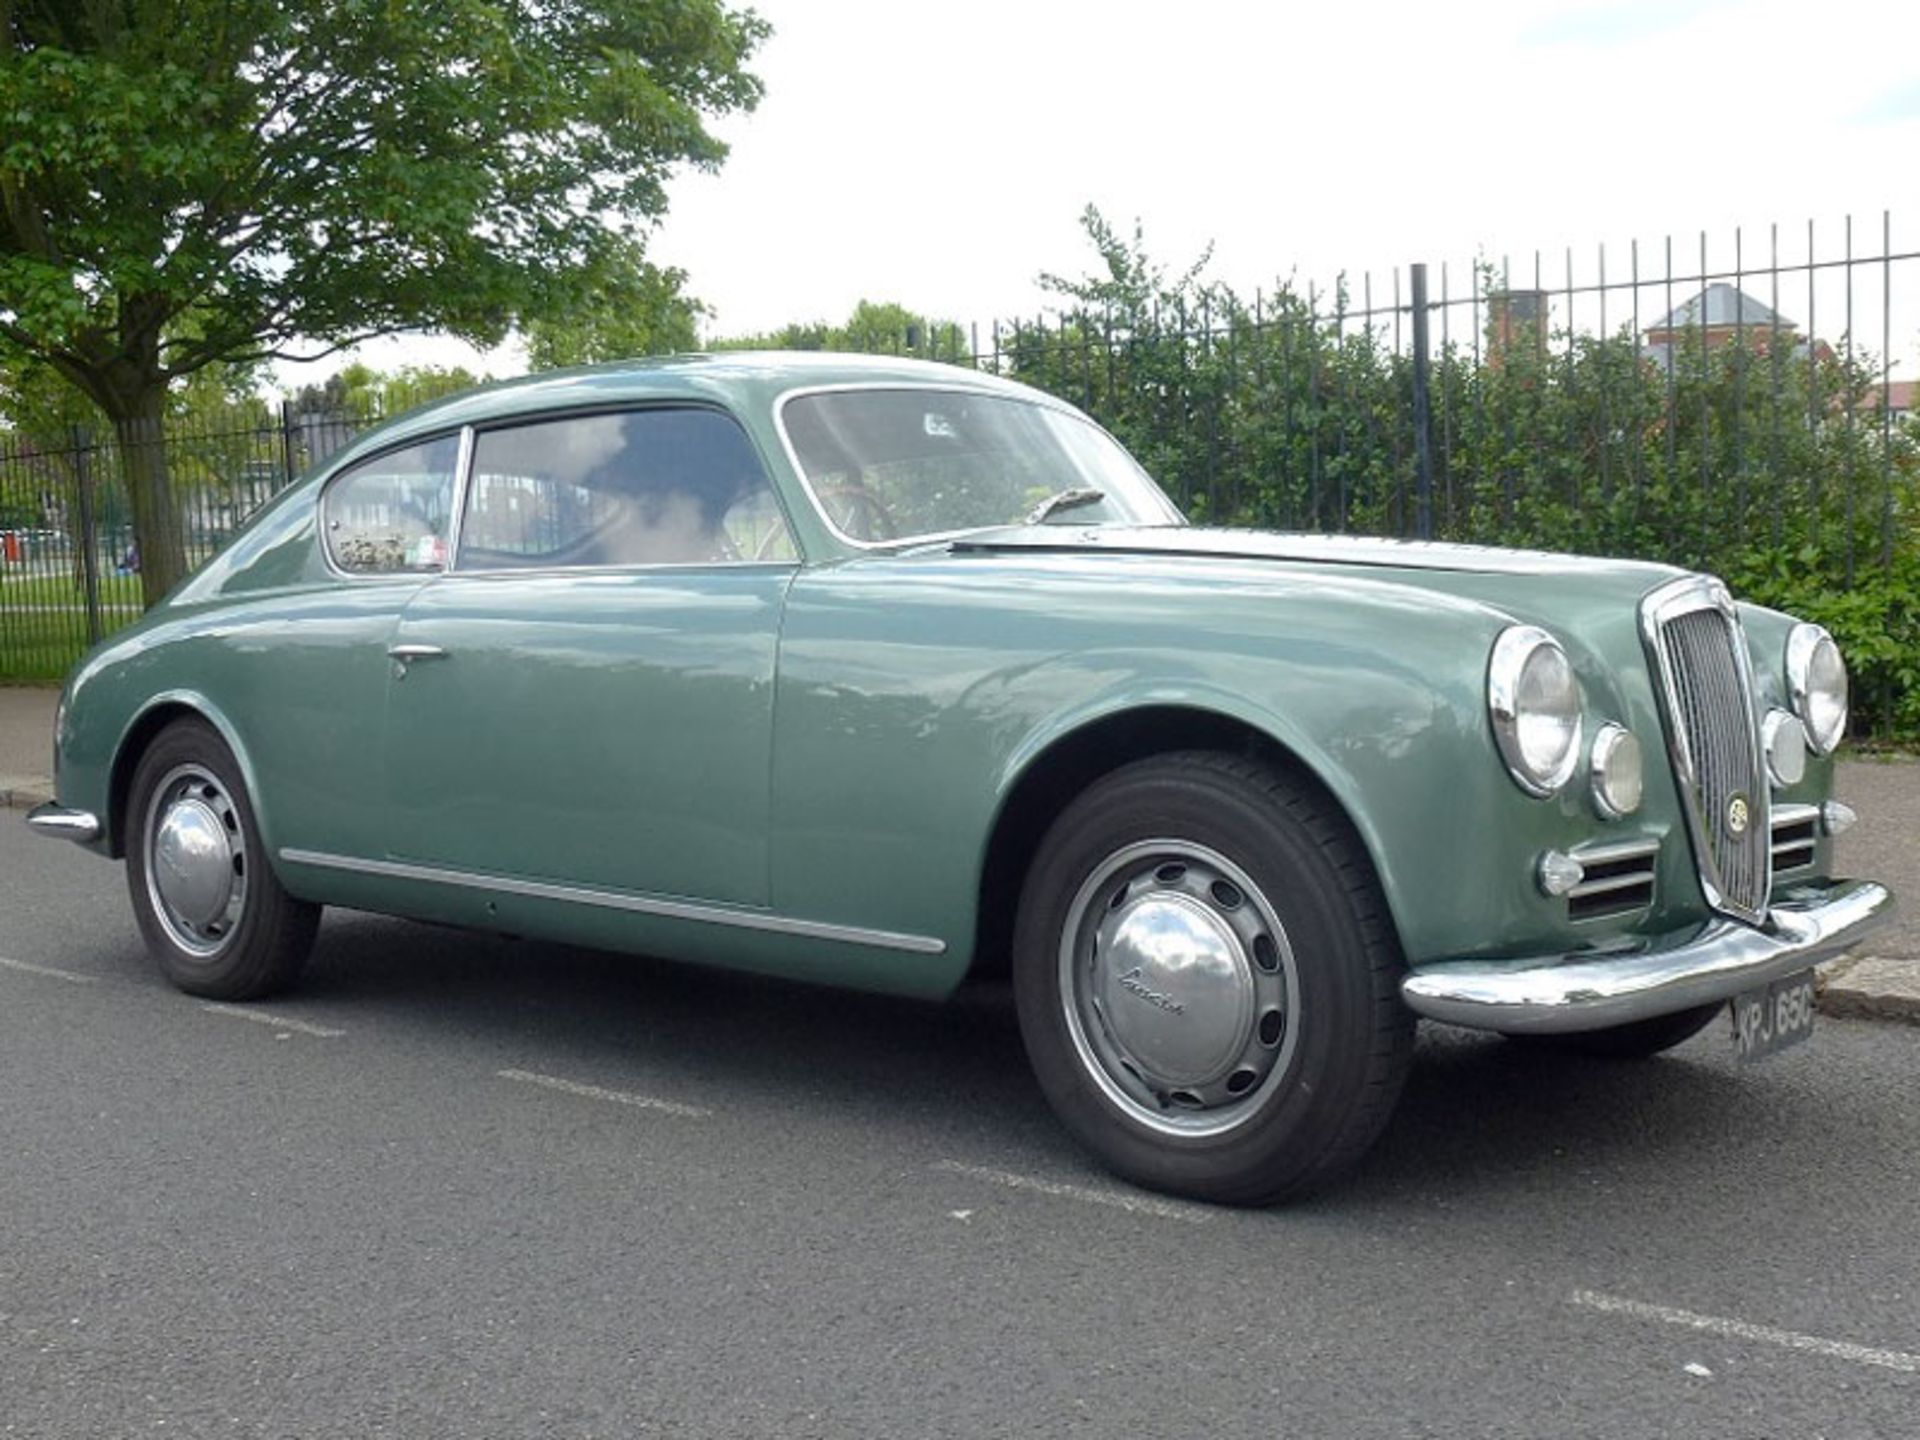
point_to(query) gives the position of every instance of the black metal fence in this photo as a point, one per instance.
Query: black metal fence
(69, 561)
(1743, 406)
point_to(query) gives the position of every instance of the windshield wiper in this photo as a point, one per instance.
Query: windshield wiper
(1063, 500)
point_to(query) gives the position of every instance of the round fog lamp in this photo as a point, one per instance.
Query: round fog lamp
(1785, 740)
(1616, 771)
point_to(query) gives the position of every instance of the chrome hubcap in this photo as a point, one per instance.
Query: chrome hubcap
(1179, 987)
(196, 860)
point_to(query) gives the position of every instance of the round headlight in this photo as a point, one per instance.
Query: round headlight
(1615, 770)
(1534, 701)
(1817, 680)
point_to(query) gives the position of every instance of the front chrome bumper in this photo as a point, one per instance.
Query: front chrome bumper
(1594, 989)
(80, 826)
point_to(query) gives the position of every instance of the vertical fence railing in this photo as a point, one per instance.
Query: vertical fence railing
(1675, 412)
(70, 567)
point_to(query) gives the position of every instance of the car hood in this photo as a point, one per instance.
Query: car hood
(1346, 550)
(1516, 581)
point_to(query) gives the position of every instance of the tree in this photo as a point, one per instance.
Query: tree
(364, 393)
(874, 328)
(189, 181)
(643, 311)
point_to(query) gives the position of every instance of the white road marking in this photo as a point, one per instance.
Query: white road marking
(279, 1022)
(1741, 1330)
(47, 970)
(1112, 1199)
(596, 1092)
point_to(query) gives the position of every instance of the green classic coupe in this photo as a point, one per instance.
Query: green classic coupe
(883, 674)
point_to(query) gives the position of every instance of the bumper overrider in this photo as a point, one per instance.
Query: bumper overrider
(1598, 988)
(58, 821)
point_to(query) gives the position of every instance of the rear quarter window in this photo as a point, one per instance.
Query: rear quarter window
(390, 514)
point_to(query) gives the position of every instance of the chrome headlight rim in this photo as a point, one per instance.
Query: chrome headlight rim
(1806, 644)
(1514, 651)
(1613, 743)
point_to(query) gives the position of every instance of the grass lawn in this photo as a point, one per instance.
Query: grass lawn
(43, 644)
(42, 587)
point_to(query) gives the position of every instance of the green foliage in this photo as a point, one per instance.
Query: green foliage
(189, 181)
(874, 328)
(1875, 620)
(642, 310)
(363, 394)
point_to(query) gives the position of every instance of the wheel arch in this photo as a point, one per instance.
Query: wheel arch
(1070, 761)
(154, 717)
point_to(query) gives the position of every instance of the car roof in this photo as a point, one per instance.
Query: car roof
(743, 378)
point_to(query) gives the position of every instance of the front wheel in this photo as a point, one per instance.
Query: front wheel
(208, 904)
(1207, 981)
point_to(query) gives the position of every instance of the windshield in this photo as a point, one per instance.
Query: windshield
(892, 465)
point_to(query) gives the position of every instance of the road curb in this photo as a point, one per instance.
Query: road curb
(1871, 987)
(24, 796)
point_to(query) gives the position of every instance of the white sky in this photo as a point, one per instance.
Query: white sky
(939, 154)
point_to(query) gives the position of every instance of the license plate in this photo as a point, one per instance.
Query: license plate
(1770, 1018)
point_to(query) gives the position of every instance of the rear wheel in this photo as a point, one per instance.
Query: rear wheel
(1207, 981)
(207, 902)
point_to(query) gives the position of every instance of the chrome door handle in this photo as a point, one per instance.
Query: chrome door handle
(404, 655)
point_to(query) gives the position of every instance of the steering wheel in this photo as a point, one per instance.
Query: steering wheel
(865, 516)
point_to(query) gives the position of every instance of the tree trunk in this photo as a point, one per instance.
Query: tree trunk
(156, 520)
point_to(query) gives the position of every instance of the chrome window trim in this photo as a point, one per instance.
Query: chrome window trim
(576, 572)
(956, 387)
(462, 456)
(584, 412)
(1659, 606)
(692, 910)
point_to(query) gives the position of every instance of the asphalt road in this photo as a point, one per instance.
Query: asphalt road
(466, 1186)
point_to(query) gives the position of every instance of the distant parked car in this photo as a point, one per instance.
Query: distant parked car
(882, 674)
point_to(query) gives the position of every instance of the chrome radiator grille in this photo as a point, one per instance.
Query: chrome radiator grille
(1694, 634)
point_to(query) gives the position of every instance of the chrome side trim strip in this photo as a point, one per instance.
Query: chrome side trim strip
(80, 826)
(1610, 884)
(1607, 854)
(621, 900)
(1595, 989)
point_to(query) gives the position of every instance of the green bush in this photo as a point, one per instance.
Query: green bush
(1766, 463)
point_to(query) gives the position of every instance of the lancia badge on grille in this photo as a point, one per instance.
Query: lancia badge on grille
(1737, 815)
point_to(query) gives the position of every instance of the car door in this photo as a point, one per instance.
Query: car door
(586, 696)
(303, 673)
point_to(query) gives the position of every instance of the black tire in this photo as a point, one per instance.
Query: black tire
(1637, 1040)
(253, 939)
(1313, 1094)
